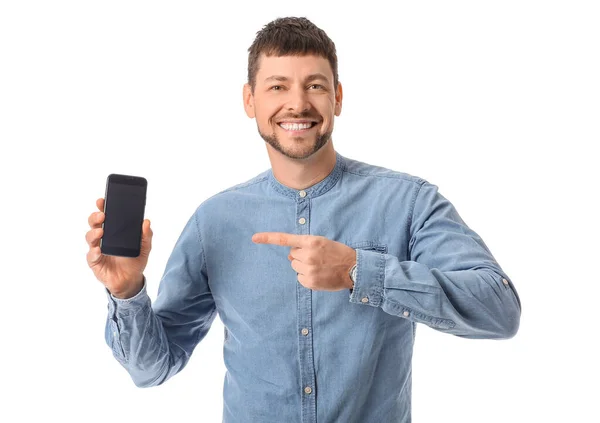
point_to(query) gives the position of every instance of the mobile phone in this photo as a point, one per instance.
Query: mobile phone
(124, 205)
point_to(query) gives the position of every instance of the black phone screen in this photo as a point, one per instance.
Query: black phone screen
(124, 205)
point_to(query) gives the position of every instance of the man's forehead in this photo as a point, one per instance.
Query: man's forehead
(294, 66)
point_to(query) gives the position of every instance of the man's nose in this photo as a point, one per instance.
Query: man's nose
(298, 100)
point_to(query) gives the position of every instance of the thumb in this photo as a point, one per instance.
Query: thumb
(146, 235)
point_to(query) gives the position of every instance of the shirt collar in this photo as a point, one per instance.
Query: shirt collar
(317, 189)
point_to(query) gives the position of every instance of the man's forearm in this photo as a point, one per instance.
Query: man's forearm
(469, 303)
(139, 342)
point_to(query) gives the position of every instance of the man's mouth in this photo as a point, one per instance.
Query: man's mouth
(297, 126)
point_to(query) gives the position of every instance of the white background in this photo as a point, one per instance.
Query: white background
(497, 103)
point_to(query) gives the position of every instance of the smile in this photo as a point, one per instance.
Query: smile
(288, 126)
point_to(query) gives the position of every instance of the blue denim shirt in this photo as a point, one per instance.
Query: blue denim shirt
(297, 355)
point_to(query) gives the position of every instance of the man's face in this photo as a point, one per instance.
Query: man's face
(294, 103)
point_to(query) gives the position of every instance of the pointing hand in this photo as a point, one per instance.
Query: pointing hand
(321, 264)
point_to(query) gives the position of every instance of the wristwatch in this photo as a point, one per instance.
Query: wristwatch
(353, 275)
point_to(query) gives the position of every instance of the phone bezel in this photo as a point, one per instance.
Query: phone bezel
(115, 178)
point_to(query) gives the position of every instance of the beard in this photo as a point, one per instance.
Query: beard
(303, 153)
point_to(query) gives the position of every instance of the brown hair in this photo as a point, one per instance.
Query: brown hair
(290, 36)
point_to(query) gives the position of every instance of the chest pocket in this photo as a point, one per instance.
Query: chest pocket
(369, 245)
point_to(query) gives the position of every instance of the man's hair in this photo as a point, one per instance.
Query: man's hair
(290, 36)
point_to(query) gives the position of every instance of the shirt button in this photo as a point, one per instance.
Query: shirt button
(114, 333)
(302, 193)
(307, 390)
(304, 331)
(504, 281)
(406, 314)
(364, 300)
(302, 221)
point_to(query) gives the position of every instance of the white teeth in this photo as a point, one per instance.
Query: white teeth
(295, 126)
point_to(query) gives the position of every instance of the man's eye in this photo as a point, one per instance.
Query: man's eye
(316, 86)
(276, 87)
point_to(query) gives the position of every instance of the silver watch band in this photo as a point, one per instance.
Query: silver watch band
(353, 275)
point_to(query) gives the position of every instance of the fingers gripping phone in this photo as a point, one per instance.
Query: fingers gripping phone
(124, 204)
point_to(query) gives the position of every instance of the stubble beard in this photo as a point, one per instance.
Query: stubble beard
(274, 142)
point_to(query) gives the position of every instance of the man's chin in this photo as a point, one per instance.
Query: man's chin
(296, 147)
(296, 153)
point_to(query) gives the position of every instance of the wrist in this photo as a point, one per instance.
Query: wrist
(131, 291)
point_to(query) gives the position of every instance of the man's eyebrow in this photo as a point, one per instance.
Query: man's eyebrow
(309, 78)
(314, 76)
(276, 78)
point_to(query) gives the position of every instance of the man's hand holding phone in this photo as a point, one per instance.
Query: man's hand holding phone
(122, 276)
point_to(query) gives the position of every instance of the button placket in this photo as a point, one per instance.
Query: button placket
(304, 319)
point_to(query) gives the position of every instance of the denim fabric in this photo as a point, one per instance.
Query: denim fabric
(297, 355)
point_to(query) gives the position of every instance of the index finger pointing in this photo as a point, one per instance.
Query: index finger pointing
(278, 238)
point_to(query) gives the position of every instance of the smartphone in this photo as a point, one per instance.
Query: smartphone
(124, 205)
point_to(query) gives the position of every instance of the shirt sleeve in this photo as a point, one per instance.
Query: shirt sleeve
(451, 283)
(154, 342)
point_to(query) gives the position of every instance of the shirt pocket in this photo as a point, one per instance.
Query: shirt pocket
(369, 245)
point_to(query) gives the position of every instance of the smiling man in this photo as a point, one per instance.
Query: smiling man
(320, 267)
(294, 102)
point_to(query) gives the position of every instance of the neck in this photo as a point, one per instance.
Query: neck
(302, 173)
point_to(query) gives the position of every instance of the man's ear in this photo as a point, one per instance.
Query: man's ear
(248, 101)
(339, 94)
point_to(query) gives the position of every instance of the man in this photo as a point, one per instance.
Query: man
(319, 268)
